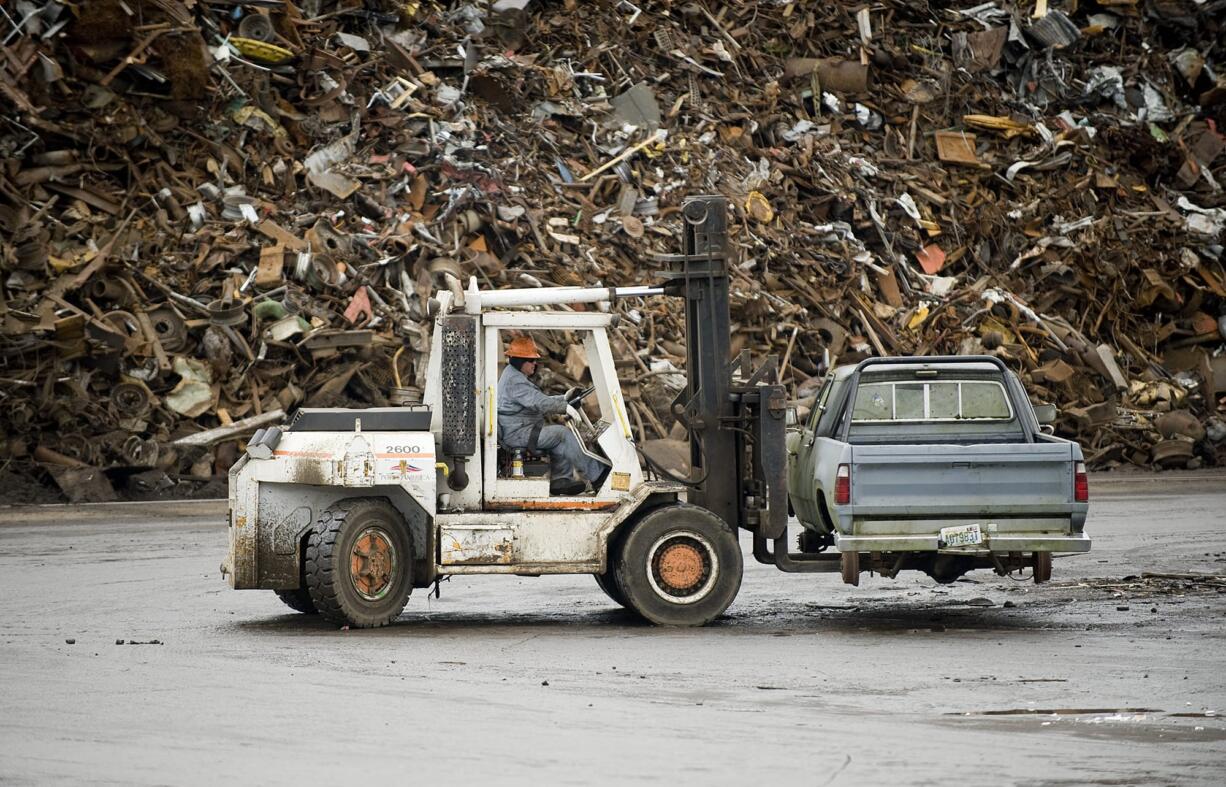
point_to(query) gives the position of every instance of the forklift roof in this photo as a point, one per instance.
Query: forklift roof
(373, 419)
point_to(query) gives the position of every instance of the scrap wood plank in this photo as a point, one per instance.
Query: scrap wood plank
(956, 147)
(234, 429)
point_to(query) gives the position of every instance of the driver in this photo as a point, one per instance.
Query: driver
(522, 408)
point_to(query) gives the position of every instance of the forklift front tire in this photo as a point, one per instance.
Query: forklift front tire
(608, 583)
(359, 562)
(680, 565)
(608, 580)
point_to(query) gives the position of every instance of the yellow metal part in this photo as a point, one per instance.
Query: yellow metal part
(395, 368)
(757, 206)
(1005, 126)
(261, 50)
(621, 416)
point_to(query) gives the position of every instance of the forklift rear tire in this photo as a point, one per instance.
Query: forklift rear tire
(298, 599)
(680, 565)
(359, 563)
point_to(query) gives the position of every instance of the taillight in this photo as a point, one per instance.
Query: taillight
(842, 485)
(1081, 483)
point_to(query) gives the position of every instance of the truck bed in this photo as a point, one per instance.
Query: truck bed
(901, 481)
(902, 495)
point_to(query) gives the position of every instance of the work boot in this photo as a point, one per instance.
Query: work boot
(600, 479)
(566, 487)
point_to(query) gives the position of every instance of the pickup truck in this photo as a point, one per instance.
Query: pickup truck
(936, 464)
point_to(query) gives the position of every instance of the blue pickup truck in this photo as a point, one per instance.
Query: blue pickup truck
(938, 464)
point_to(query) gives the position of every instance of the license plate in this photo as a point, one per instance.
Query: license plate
(961, 536)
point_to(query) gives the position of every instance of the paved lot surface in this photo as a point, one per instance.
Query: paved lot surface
(1104, 676)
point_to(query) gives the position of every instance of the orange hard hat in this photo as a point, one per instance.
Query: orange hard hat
(523, 347)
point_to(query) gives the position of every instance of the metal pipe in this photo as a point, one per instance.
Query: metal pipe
(453, 284)
(792, 563)
(476, 300)
(457, 480)
(637, 292)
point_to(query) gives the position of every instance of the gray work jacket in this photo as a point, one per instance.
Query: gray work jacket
(521, 406)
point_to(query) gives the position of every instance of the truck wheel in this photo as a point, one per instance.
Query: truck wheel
(680, 565)
(298, 599)
(1042, 567)
(359, 563)
(849, 565)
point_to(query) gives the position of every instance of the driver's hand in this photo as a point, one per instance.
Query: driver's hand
(571, 393)
(573, 414)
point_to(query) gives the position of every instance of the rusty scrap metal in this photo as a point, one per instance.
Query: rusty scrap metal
(276, 193)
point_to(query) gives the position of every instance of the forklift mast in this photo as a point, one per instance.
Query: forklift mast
(735, 413)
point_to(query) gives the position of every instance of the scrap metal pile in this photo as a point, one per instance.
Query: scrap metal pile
(213, 212)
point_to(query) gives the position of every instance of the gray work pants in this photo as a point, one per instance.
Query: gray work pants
(565, 454)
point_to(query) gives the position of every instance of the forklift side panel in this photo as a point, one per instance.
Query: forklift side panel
(538, 542)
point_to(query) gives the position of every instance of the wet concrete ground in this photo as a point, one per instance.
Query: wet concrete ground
(1101, 677)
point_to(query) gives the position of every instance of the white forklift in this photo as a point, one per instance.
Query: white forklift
(343, 512)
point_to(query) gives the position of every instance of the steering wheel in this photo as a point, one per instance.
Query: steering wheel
(576, 413)
(579, 397)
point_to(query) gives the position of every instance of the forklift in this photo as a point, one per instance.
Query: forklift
(343, 512)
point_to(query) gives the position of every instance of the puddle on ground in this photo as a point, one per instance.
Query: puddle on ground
(1055, 711)
(1139, 725)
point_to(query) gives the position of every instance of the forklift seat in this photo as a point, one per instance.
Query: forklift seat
(536, 463)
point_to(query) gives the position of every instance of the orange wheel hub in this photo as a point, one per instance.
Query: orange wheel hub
(681, 566)
(372, 564)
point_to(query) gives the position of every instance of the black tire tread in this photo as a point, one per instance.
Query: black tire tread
(298, 599)
(320, 546)
(608, 583)
(631, 585)
(318, 569)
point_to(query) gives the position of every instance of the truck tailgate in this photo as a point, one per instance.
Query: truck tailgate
(948, 481)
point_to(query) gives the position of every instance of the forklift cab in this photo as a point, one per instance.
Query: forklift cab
(530, 462)
(608, 439)
(536, 460)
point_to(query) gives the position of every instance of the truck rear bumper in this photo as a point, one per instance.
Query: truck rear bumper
(1013, 542)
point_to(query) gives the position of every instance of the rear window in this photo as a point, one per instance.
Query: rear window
(946, 400)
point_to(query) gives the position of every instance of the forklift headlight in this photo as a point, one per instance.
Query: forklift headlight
(264, 442)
